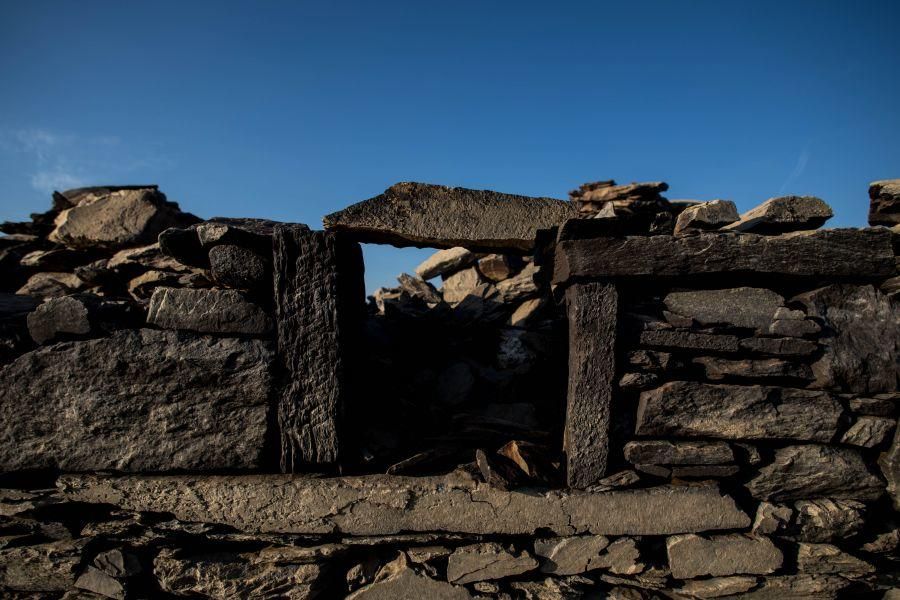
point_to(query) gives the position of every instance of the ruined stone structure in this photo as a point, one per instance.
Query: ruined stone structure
(614, 396)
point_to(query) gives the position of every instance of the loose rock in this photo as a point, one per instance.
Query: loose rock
(662, 452)
(786, 213)
(705, 216)
(869, 432)
(445, 262)
(884, 208)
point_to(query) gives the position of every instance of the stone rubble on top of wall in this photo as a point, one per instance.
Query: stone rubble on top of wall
(722, 425)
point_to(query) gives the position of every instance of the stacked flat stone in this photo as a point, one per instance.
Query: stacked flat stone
(723, 424)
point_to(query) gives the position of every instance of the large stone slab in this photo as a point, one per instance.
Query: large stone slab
(117, 217)
(838, 253)
(863, 340)
(207, 311)
(425, 215)
(384, 505)
(813, 471)
(693, 555)
(482, 562)
(319, 304)
(593, 311)
(746, 307)
(143, 400)
(691, 409)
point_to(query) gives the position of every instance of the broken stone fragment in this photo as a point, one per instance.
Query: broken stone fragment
(717, 587)
(751, 308)
(131, 262)
(445, 262)
(397, 580)
(690, 409)
(117, 563)
(253, 234)
(521, 286)
(622, 557)
(48, 567)
(423, 215)
(460, 284)
(236, 575)
(117, 218)
(828, 559)
(384, 505)
(51, 285)
(79, 316)
(635, 382)
(420, 289)
(207, 311)
(240, 267)
(663, 452)
(495, 267)
(571, 555)
(132, 387)
(869, 432)
(864, 342)
(527, 311)
(783, 214)
(816, 521)
(480, 562)
(815, 471)
(94, 580)
(884, 208)
(705, 216)
(717, 369)
(693, 555)
(835, 253)
(183, 245)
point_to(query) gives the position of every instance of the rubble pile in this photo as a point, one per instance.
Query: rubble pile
(619, 396)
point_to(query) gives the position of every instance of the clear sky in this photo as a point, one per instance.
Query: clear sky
(292, 110)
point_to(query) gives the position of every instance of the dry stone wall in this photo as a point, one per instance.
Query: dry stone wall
(615, 396)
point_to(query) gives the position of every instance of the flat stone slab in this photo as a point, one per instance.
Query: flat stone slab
(207, 311)
(437, 216)
(786, 213)
(141, 400)
(690, 409)
(693, 555)
(814, 471)
(838, 253)
(384, 505)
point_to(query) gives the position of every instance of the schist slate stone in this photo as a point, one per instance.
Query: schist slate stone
(884, 208)
(384, 505)
(663, 452)
(119, 217)
(787, 213)
(839, 253)
(693, 555)
(141, 400)
(863, 339)
(207, 311)
(690, 409)
(425, 215)
(319, 304)
(745, 307)
(814, 471)
(592, 310)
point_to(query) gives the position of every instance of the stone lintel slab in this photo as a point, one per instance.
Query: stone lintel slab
(592, 312)
(836, 253)
(437, 216)
(384, 505)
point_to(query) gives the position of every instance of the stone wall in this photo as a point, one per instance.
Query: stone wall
(616, 396)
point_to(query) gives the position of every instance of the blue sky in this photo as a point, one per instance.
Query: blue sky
(292, 110)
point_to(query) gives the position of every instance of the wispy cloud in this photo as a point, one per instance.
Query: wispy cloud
(58, 160)
(799, 168)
